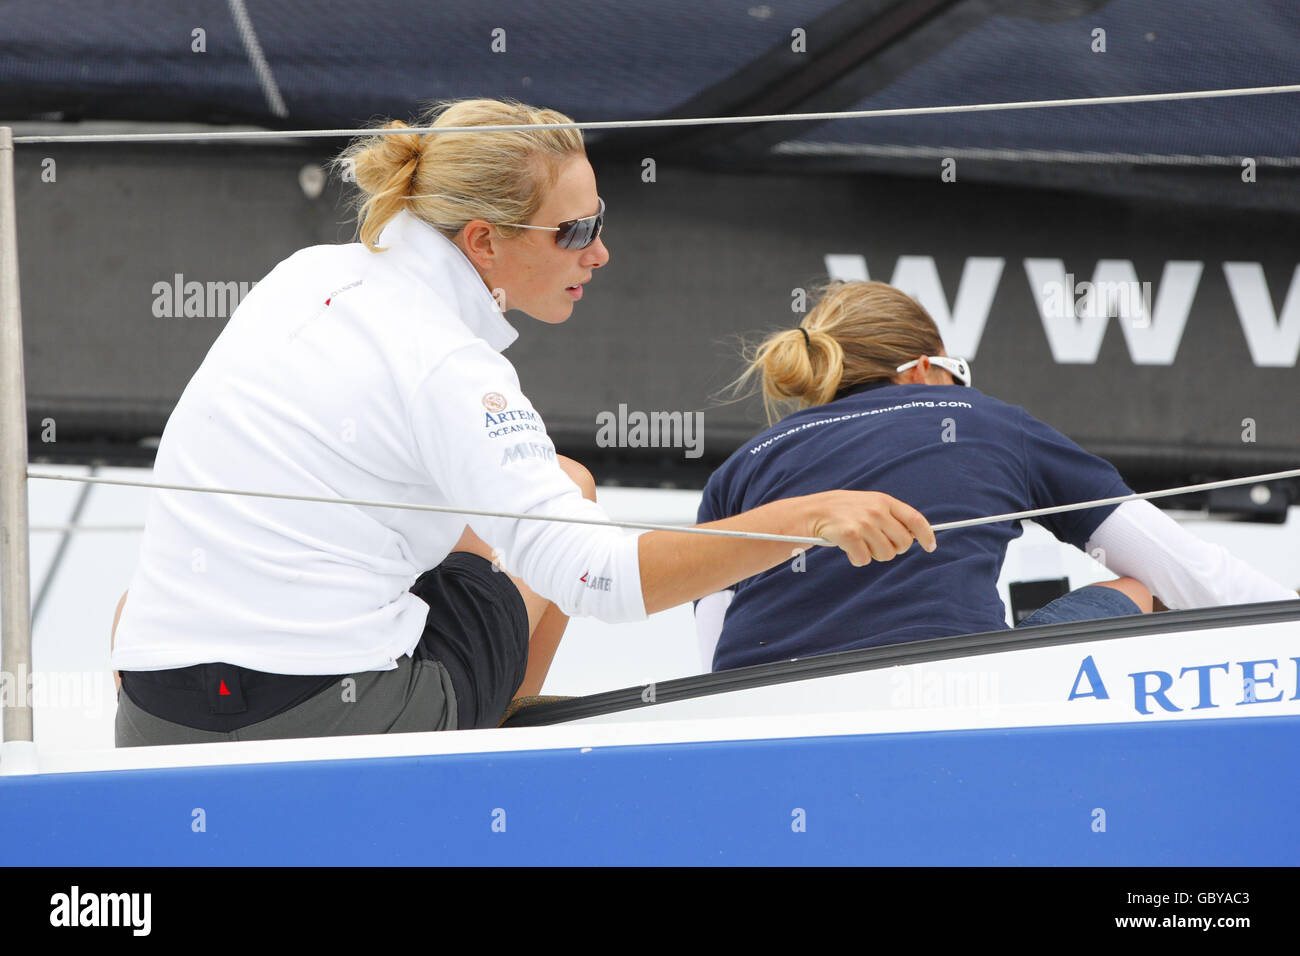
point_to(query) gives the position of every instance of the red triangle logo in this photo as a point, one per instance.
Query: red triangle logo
(224, 691)
(583, 579)
(327, 301)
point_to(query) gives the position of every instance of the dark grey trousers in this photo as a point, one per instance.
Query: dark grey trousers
(416, 696)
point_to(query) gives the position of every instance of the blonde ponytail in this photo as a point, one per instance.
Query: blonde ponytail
(856, 332)
(449, 179)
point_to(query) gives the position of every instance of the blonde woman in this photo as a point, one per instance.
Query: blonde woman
(880, 404)
(374, 370)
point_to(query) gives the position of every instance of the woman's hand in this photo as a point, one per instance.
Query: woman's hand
(677, 567)
(868, 525)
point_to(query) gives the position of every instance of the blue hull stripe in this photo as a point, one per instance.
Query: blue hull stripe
(1206, 792)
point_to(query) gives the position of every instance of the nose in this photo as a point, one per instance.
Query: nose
(597, 254)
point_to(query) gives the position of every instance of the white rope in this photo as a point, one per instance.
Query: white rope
(661, 123)
(441, 509)
(1163, 493)
(889, 151)
(646, 526)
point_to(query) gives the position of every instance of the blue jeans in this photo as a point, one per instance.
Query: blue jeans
(1086, 604)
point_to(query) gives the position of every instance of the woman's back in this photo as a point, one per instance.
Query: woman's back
(949, 451)
(310, 389)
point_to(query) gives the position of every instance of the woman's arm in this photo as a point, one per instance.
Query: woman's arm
(1140, 541)
(485, 447)
(867, 525)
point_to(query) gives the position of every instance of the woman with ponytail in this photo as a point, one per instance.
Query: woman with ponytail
(374, 371)
(879, 404)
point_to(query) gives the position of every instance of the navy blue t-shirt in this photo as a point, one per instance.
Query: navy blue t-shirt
(949, 451)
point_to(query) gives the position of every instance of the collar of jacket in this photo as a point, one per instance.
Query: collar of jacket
(417, 248)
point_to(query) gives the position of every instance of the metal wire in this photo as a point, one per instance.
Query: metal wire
(663, 123)
(1077, 157)
(647, 526)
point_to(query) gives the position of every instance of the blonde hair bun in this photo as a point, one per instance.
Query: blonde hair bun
(448, 180)
(857, 332)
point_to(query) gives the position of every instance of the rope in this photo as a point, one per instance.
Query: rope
(888, 151)
(662, 123)
(441, 509)
(646, 526)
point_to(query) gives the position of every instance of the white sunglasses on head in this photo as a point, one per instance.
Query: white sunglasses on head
(959, 367)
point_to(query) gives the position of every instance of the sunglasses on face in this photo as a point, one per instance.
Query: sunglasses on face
(574, 233)
(959, 367)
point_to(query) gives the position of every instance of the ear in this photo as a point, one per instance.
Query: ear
(916, 375)
(480, 243)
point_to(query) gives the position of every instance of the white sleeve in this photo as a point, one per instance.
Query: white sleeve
(485, 447)
(1140, 541)
(709, 613)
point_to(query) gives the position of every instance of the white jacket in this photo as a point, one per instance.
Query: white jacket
(361, 375)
